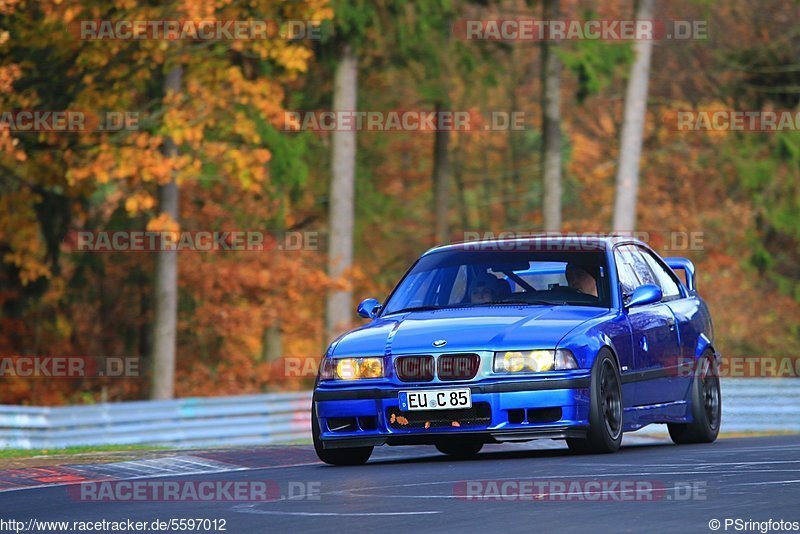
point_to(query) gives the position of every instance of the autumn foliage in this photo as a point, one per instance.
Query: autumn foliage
(237, 170)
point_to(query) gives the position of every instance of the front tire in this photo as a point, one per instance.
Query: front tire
(605, 409)
(350, 456)
(706, 406)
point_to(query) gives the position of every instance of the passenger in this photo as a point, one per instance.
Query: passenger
(482, 290)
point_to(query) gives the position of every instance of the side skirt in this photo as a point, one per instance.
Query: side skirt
(637, 417)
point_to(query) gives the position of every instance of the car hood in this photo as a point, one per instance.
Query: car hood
(466, 329)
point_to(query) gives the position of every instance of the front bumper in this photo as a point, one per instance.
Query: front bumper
(510, 410)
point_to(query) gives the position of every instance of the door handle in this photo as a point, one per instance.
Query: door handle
(671, 323)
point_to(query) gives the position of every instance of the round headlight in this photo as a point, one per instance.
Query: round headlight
(513, 361)
(371, 368)
(540, 360)
(347, 368)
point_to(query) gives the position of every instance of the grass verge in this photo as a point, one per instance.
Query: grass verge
(89, 449)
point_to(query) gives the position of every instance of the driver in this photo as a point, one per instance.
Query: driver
(580, 279)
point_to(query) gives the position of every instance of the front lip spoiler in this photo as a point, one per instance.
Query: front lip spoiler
(496, 387)
(486, 436)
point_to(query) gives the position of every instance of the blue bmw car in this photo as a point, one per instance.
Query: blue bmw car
(511, 340)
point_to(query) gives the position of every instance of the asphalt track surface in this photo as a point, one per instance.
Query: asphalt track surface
(416, 489)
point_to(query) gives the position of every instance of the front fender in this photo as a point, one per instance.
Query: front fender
(612, 331)
(586, 347)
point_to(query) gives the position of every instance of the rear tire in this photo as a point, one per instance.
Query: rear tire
(706, 398)
(605, 409)
(461, 450)
(350, 456)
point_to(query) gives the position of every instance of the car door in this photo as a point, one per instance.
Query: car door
(687, 312)
(653, 330)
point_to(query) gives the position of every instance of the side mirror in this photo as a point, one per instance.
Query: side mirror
(646, 294)
(369, 308)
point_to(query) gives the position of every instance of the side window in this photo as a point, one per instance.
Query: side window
(669, 287)
(643, 272)
(627, 277)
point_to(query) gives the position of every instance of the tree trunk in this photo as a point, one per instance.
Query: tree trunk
(441, 180)
(551, 126)
(342, 195)
(272, 344)
(162, 385)
(630, 146)
(458, 179)
(509, 188)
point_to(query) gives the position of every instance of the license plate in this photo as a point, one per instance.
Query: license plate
(435, 399)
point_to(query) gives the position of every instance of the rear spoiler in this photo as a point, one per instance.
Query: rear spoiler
(686, 266)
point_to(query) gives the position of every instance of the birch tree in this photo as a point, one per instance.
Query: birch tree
(551, 126)
(342, 193)
(162, 385)
(630, 149)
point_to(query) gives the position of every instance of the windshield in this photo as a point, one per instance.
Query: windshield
(466, 278)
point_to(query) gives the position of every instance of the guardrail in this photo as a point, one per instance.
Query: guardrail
(748, 405)
(190, 422)
(760, 405)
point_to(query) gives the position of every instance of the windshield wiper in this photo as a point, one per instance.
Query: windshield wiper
(510, 302)
(422, 308)
(521, 301)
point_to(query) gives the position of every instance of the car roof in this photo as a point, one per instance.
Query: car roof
(541, 242)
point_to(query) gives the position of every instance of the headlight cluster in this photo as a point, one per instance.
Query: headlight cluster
(350, 368)
(533, 361)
